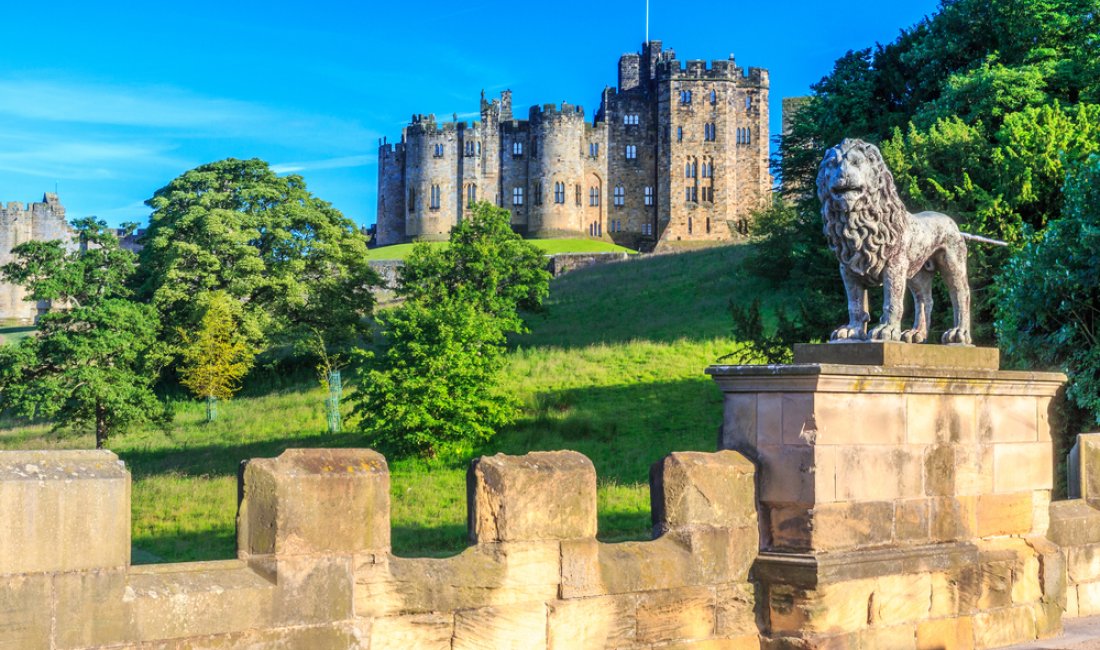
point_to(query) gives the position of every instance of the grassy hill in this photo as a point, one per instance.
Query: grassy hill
(613, 368)
(548, 246)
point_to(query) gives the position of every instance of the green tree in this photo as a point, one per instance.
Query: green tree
(92, 363)
(432, 390)
(1049, 299)
(217, 357)
(293, 262)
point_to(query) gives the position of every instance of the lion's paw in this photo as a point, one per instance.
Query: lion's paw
(956, 336)
(886, 332)
(847, 333)
(913, 336)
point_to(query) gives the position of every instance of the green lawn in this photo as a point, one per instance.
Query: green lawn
(548, 246)
(613, 369)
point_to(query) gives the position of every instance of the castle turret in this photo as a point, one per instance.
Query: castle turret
(431, 155)
(391, 194)
(556, 169)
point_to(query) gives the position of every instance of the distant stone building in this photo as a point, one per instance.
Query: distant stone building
(20, 223)
(678, 152)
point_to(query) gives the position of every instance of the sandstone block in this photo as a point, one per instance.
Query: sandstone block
(1018, 467)
(601, 622)
(797, 474)
(538, 496)
(1083, 563)
(53, 502)
(736, 615)
(490, 628)
(739, 423)
(416, 632)
(941, 419)
(1089, 465)
(946, 634)
(881, 419)
(1073, 609)
(678, 615)
(25, 613)
(1088, 599)
(1004, 514)
(852, 525)
(1005, 626)
(313, 590)
(769, 419)
(799, 423)
(700, 489)
(893, 354)
(912, 520)
(953, 518)
(900, 599)
(840, 606)
(877, 473)
(315, 501)
(1008, 418)
(1074, 523)
(481, 576)
(1048, 619)
(902, 637)
(744, 642)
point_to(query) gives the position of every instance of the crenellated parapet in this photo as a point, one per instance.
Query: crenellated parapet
(315, 569)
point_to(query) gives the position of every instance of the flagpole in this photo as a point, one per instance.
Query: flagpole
(647, 22)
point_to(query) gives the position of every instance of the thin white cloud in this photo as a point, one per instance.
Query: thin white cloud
(81, 159)
(328, 163)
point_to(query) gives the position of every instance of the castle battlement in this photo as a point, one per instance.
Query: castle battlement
(551, 111)
(315, 568)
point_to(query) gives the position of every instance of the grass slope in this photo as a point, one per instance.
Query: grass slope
(613, 368)
(548, 246)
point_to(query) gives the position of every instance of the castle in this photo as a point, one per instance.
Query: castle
(678, 152)
(42, 221)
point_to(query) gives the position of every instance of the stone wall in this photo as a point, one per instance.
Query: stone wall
(565, 262)
(315, 571)
(1075, 527)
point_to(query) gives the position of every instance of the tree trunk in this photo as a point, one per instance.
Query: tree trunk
(100, 426)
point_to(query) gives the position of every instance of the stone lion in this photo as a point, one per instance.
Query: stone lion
(879, 243)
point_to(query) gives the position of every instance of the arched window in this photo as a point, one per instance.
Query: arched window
(685, 96)
(687, 169)
(648, 195)
(471, 194)
(748, 102)
(593, 196)
(434, 205)
(517, 148)
(679, 134)
(620, 196)
(713, 97)
(578, 193)
(559, 192)
(538, 193)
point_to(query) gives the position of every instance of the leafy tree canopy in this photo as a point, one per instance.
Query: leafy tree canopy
(93, 362)
(432, 390)
(293, 262)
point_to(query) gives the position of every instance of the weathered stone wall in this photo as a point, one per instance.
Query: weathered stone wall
(1075, 527)
(566, 262)
(391, 194)
(42, 221)
(315, 571)
(556, 140)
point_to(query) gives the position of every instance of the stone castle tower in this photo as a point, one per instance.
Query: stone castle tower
(678, 152)
(43, 221)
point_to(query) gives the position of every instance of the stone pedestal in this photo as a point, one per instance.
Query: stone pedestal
(904, 496)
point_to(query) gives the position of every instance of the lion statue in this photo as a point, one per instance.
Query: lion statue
(878, 242)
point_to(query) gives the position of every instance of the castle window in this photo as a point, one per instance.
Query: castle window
(471, 194)
(748, 136)
(685, 97)
(479, 148)
(714, 97)
(689, 225)
(679, 134)
(748, 103)
(630, 120)
(412, 201)
(649, 196)
(434, 204)
(593, 196)
(578, 193)
(438, 151)
(709, 132)
(517, 148)
(538, 193)
(708, 225)
(620, 196)
(631, 151)
(559, 192)
(594, 150)
(517, 196)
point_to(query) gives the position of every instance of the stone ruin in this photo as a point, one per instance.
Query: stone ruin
(880, 495)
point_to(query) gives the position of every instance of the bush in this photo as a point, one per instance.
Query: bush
(1049, 296)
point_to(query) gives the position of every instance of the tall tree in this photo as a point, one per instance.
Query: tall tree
(293, 263)
(93, 362)
(432, 390)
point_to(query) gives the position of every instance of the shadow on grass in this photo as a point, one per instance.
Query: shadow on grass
(216, 544)
(224, 459)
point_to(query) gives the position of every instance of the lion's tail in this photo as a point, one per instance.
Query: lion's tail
(983, 240)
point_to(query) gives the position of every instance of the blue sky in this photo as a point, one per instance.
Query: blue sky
(109, 101)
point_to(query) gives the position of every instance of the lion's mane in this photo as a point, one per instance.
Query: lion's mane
(866, 238)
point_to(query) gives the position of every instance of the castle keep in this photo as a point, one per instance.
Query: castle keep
(678, 152)
(43, 221)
